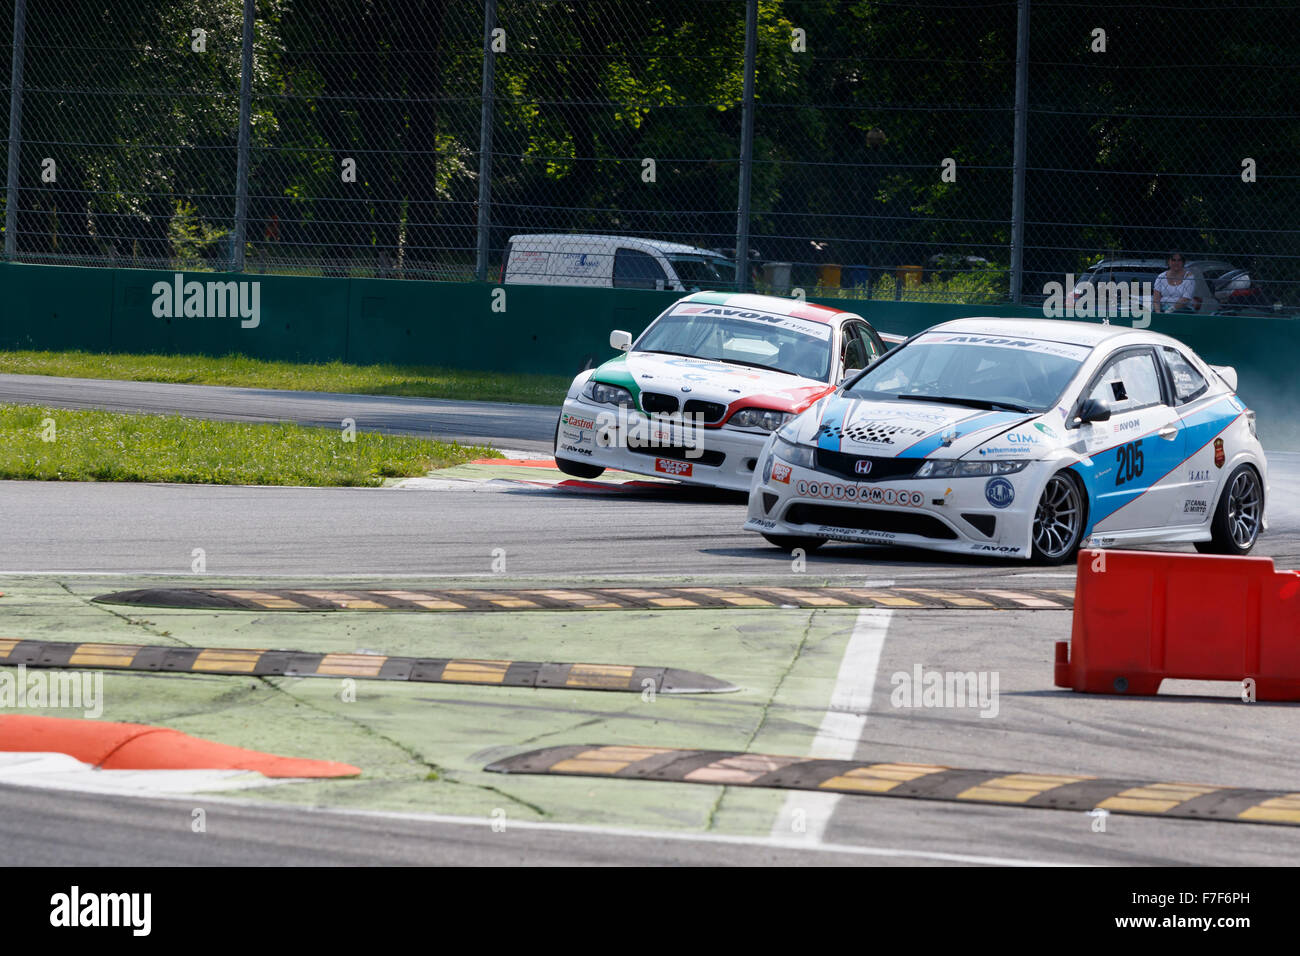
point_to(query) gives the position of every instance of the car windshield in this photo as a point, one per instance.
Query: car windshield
(981, 370)
(697, 273)
(796, 346)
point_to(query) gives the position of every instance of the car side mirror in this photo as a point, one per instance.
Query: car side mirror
(849, 373)
(618, 339)
(1092, 410)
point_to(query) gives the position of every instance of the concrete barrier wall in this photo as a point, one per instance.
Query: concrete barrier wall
(499, 328)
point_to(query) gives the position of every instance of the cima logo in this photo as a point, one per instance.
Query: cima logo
(208, 300)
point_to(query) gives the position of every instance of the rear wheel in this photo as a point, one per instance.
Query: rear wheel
(788, 542)
(1058, 520)
(578, 469)
(1239, 515)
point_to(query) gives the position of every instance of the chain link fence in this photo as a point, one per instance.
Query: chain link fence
(963, 152)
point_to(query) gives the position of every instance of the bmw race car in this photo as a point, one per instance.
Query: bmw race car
(1020, 438)
(698, 393)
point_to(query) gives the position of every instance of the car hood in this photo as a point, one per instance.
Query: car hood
(902, 429)
(736, 386)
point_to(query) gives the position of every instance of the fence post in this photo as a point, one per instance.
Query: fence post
(746, 147)
(15, 129)
(245, 119)
(485, 141)
(1018, 174)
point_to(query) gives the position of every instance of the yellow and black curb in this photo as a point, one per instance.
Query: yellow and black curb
(435, 670)
(918, 781)
(592, 599)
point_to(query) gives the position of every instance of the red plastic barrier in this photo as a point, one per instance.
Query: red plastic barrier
(139, 747)
(1143, 616)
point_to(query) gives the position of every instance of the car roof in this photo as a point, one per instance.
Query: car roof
(1085, 333)
(633, 242)
(1152, 263)
(777, 305)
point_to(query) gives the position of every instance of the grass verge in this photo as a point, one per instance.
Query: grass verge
(55, 444)
(423, 381)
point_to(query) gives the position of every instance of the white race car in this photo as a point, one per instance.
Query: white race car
(1023, 438)
(699, 392)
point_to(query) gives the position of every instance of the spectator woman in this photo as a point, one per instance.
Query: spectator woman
(1174, 288)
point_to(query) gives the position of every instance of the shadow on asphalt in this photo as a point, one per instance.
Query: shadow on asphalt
(834, 552)
(672, 494)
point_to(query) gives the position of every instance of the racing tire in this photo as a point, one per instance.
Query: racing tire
(1058, 520)
(788, 542)
(1239, 515)
(576, 469)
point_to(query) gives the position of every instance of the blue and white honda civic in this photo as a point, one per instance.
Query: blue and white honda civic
(1024, 438)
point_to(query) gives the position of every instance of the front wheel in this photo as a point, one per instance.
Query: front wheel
(1238, 516)
(789, 542)
(1058, 520)
(578, 469)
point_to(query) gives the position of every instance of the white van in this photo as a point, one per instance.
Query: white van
(615, 262)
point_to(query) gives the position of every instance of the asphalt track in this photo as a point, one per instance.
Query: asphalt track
(92, 538)
(526, 427)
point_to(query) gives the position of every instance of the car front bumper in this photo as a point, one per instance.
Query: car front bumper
(608, 437)
(970, 515)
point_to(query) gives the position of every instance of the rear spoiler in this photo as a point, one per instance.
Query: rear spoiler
(1225, 372)
(891, 338)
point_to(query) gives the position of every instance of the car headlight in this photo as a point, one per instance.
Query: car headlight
(767, 419)
(608, 394)
(950, 468)
(801, 455)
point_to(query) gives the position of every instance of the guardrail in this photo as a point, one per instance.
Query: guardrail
(514, 328)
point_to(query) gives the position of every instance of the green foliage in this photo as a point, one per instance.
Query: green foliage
(112, 446)
(191, 238)
(1125, 149)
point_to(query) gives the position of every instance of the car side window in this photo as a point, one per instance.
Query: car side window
(871, 348)
(855, 354)
(637, 270)
(1129, 382)
(1188, 383)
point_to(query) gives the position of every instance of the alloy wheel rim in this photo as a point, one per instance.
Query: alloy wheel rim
(1244, 500)
(1057, 519)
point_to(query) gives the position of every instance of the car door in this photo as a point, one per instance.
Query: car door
(853, 354)
(858, 346)
(1195, 479)
(581, 263)
(1137, 453)
(638, 270)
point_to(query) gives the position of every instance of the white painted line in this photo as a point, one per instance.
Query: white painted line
(806, 814)
(59, 771)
